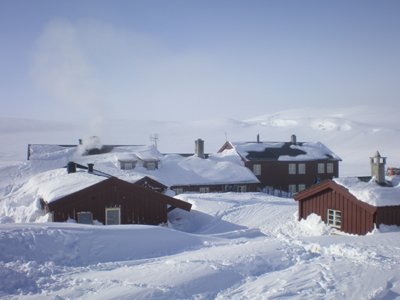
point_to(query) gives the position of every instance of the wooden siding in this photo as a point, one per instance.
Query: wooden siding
(355, 219)
(276, 173)
(218, 188)
(388, 215)
(138, 205)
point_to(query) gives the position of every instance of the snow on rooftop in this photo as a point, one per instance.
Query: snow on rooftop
(173, 170)
(55, 184)
(243, 148)
(312, 151)
(221, 168)
(371, 192)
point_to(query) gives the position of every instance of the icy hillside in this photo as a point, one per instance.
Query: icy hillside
(231, 246)
(353, 133)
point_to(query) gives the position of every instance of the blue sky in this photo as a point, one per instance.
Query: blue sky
(195, 60)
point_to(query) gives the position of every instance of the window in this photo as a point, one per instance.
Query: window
(257, 169)
(178, 191)
(292, 188)
(292, 168)
(334, 218)
(329, 168)
(113, 216)
(301, 187)
(321, 168)
(204, 189)
(241, 189)
(85, 217)
(151, 165)
(302, 168)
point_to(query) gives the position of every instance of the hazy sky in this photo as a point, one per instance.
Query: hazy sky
(195, 60)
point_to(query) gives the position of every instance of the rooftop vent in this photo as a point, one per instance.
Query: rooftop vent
(90, 168)
(378, 168)
(293, 139)
(199, 148)
(71, 167)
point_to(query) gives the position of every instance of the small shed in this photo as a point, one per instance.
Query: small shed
(112, 201)
(351, 205)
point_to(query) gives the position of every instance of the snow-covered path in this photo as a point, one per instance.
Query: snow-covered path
(231, 246)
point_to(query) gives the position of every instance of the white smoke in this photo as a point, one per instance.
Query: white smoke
(62, 68)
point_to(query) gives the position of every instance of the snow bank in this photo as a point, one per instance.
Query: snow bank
(370, 192)
(79, 245)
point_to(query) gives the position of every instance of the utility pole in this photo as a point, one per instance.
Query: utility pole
(154, 138)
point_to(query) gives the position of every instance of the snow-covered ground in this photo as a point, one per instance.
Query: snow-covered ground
(230, 246)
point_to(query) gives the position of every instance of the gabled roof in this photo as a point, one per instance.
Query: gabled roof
(369, 194)
(61, 186)
(173, 170)
(282, 151)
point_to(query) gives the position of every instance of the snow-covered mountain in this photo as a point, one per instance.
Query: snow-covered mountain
(353, 133)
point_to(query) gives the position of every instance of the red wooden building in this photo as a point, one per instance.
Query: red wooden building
(114, 201)
(287, 166)
(341, 209)
(355, 204)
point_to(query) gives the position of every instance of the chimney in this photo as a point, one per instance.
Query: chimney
(293, 139)
(199, 148)
(258, 138)
(378, 168)
(80, 141)
(90, 168)
(71, 167)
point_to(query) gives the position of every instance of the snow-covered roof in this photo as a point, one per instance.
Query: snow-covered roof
(177, 170)
(55, 184)
(372, 193)
(284, 151)
(173, 169)
(221, 168)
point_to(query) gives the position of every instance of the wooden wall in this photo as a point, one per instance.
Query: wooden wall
(388, 215)
(138, 205)
(356, 217)
(276, 173)
(217, 188)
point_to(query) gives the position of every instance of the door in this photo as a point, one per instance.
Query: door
(113, 216)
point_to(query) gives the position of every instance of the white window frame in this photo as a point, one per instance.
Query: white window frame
(334, 218)
(257, 169)
(321, 168)
(113, 209)
(84, 213)
(301, 168)
(204, 189)
(329, 168)
(292, 169)
(242, 189)
(178, 191)
(292, 188)
(301, 187)
(151, 165)
(128, 165)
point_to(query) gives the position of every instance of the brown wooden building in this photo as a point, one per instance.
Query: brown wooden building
(217, 188)
(339, 208)
(114, 201)
(287, 166)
